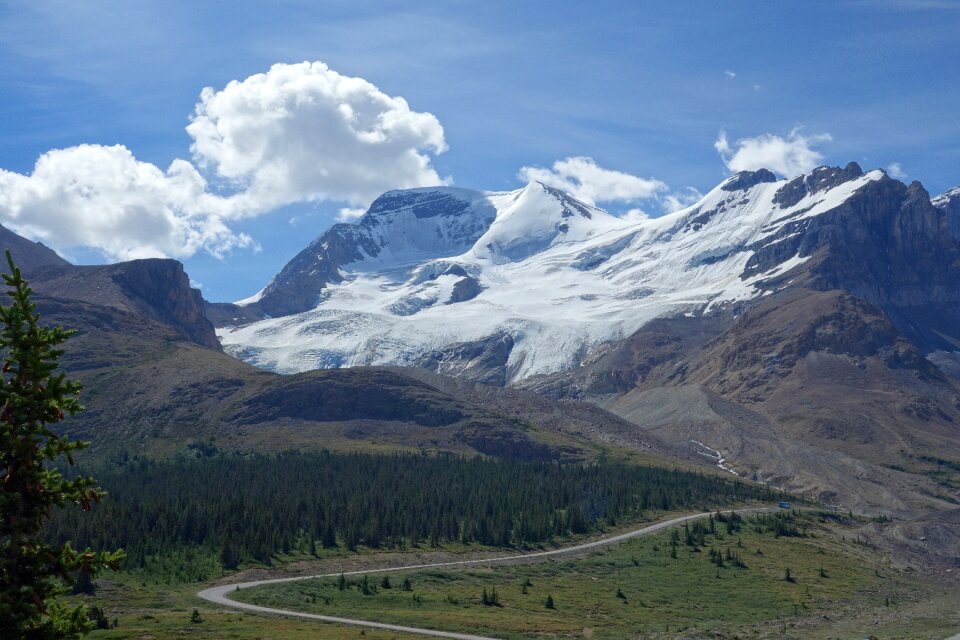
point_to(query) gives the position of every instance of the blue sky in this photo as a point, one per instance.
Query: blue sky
(643, 89)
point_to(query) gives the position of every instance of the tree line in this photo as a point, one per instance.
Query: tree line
(247, 507)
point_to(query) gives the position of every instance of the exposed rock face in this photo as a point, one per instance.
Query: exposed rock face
(747, 179)
(161, 288)
(820, 179)
(949, 203)
(297, 287)
(652, 356)
(158, 290)
(465, 289)
(482, 361)
(831, 365)
(888, 245)
(816, 391)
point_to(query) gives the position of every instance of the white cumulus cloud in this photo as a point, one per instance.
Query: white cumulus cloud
(103, 197)
(788, 156)
(585, 180)
(350, 214)
(305, 132)
(299, 132)
(896, 171)
(635, 215)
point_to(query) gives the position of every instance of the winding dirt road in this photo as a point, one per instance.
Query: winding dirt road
(219, 594)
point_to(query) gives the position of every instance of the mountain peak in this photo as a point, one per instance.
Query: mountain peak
(949, 203)
(555, 275)
(947, 197)
(820, 179)
(424, 202)
(28, 255)
(571, 206)
(538, 216)
(746, 179)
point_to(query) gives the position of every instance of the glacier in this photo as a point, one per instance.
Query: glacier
(428, 269)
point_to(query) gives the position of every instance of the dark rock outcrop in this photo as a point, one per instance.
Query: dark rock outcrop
(298, 285)
(949, 203)
(115, 295)
(465, 289)
(747, 179)
(156, 291)
(481, 360)
(820, 179)
(161, 289)
(888, 245)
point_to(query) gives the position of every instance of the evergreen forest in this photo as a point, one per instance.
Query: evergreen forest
(253, 507)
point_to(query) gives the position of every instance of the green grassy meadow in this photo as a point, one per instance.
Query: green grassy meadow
(634, 590)
(631, 590)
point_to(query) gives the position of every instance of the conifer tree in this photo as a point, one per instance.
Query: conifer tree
(33, 397)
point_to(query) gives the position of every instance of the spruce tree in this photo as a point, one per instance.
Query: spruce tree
(33, 397)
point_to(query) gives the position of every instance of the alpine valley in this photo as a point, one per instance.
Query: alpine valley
(803, 333)
(799, 332)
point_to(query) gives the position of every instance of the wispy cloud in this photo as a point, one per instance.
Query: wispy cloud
(583, 178)
(894, 170)
(681, 199)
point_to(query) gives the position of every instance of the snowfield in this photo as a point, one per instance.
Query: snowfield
(558, 276)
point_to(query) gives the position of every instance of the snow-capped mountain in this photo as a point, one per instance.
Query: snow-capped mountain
(529, 281)
(949, 203)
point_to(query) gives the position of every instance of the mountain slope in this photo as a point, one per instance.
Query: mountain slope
(155, 382)
(30, 256)
(813, 391)
(157, 290)
(841, 382)
(547, 281)
(803, 330)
